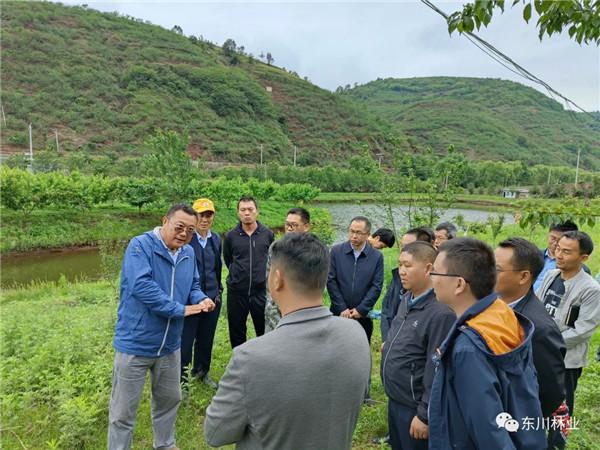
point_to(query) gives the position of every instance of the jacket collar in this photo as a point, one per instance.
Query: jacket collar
(305, 315)
(477, 308)
(259, 228)
(525, 300)
(424, 301)
(347, 248)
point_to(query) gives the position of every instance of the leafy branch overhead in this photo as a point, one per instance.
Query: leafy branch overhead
(580, 17)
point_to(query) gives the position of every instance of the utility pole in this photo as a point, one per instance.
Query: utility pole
(261, 154)
(30, 150)
(549, 173)
(577, 168)
(380, 155)
(3, 116)
(295, 156)
(56, 136)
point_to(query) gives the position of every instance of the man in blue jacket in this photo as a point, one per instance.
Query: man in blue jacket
(355, 275)
(159, 286)
(485, 392)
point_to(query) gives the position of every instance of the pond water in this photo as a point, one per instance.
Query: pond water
(75, 264)
(342, 213)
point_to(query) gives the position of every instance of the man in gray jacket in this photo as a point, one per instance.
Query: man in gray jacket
(572, 298)
(310, 394)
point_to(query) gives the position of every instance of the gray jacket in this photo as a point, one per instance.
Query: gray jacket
(582, 291)
(300, 386)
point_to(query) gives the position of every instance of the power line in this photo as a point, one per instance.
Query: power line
(506, 61)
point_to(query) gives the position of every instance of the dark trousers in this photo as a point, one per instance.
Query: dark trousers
(239, 304)
(367, 324)
(399, 420)
(571, 378)
(198, 336)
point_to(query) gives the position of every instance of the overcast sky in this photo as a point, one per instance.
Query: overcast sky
(339, 43)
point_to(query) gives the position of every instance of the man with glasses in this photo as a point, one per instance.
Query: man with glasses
(199, 330)
(355, 277)
(296, 221)
(159, 287)
(245, 250)
(485, 384)
(518, 263)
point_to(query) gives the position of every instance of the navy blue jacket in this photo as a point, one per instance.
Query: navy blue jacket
(154, 292)
(389, 306)
(354, 283)
(473, 385)
(209, 265)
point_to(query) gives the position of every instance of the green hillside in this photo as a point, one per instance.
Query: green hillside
(105, 82)
(486, 118)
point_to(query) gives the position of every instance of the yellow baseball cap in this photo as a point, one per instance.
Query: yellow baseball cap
(202, 205)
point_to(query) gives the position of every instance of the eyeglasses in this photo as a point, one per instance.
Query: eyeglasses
(357, 233)
(180, 228)
(455, 275)
(293, 226)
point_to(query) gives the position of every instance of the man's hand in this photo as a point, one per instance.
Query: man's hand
(346, 313)
(355, 314)
(207, 305)
(192, 309)
(418, 430)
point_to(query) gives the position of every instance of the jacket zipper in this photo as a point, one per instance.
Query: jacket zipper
(250, 283)
(389, 348)
(353, 277)
(162, 344)
(412, 373)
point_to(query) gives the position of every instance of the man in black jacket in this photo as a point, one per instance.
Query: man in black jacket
(518, 263)
(245, 250)
(407, 369)
(395, 291)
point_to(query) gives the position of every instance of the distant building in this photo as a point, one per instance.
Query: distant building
(269, 89)
(515, 193)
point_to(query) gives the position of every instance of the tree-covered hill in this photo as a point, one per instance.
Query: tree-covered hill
(486, 118)
(105, 82)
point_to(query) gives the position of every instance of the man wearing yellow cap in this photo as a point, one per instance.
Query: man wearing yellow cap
(199, 331)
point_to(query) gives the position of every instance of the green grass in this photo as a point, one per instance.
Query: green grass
(56, 372)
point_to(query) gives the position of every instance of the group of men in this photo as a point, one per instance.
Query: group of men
(470, 354)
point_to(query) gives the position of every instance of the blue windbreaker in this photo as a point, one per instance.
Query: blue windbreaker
(154, 291)
(474, 384)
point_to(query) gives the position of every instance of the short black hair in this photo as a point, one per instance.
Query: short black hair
(473, 260)
(423, 234)
(303, 213)
(526, 256)
(247, 198)
(423, 251)
(565, 226)
(363, 219)
(586, 245)
(181, 207)
(449, 227)
(386, 236)
(304, 258)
